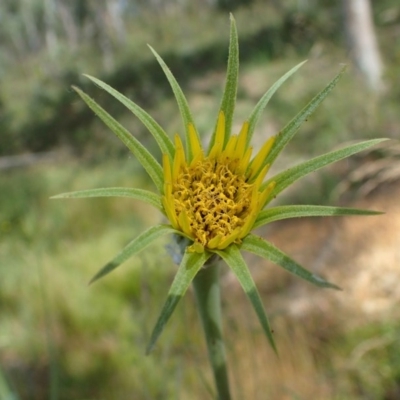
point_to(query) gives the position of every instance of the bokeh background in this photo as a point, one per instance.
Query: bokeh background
(62, 339)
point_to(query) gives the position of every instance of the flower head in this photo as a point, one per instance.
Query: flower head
(215, 197)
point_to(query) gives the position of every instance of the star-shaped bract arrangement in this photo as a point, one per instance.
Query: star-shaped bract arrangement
(215, 197)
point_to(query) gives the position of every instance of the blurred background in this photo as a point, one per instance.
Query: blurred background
(61, 339)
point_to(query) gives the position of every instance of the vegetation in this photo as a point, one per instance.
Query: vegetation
(61, 339)
(38, 112)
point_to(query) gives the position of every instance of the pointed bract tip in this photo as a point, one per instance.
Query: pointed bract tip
(323, 283)
(149, 349)
(150, 47)
(94, 279)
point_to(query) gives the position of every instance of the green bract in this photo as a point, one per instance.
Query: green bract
(227, 232)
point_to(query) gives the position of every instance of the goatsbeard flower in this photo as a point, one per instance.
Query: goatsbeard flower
(214, 197)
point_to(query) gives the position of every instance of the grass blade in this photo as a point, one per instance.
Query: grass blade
(234, 259)
(164, 142)
(190, 266)
(148, 162)
(133, 193)
(297, 211)
(263, 248)
(134, 247)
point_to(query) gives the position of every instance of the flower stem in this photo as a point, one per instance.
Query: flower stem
(207, 291)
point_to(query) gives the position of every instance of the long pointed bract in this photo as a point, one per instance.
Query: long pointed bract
(287, 133)
(231, 83)
(148, 162)
(164, 142)
(258, 109)
(263, 248)
(287, 177)
(190, 266)
(133, 193)
(235, 261)
(181, 100)
(134, 247)
(296, 211)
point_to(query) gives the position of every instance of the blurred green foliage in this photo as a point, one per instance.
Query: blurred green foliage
(55, 330)
(45, 47)
(60, 339)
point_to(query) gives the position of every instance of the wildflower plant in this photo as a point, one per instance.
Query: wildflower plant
(214, 197)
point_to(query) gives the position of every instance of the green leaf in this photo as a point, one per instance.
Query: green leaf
(181, 100)
(190, 266)
(296, 211)
(263, 248)
(134, 247)
(287, 177)
(256, 113)
(137, 194)
(164, 142)
(235, 261)
(287, 133)
(148, 162)
(231, 83)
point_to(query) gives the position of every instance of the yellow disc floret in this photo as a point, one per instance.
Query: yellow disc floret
(214, 200)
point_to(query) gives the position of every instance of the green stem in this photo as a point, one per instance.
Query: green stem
(207, 291)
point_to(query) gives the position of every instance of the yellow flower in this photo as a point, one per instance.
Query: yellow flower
(215, 198)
